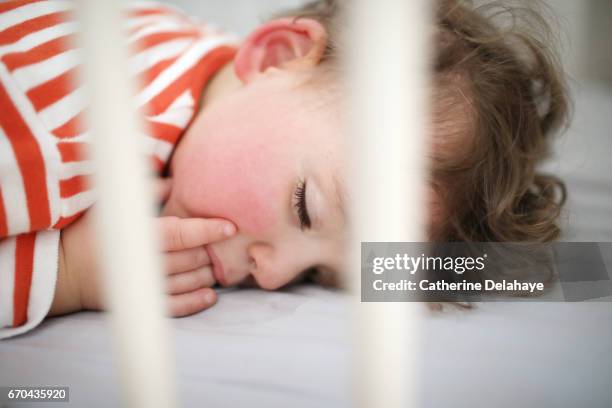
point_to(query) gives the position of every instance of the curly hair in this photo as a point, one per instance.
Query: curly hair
(499, 96)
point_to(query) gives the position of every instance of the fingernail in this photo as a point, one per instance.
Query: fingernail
(229, 229)
(209, 296)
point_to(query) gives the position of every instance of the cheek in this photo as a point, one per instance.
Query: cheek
(243, 182)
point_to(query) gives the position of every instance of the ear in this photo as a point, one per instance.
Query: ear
(286, 43)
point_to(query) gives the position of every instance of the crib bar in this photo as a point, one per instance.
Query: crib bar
(131, 265)
(387, 120)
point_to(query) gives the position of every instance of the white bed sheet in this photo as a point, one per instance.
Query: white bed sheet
(291, 348)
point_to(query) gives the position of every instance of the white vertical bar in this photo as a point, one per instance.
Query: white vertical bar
(130, 263)
(388, 60)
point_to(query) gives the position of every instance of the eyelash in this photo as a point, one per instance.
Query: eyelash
(300, 204)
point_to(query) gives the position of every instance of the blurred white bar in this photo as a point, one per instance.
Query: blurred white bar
(388, 41)
(131, 263)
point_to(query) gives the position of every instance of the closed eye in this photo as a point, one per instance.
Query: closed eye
(300, 204)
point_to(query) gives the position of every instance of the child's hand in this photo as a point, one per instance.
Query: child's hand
(188, 269)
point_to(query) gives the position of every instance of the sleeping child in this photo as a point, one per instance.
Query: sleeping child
(248, 141)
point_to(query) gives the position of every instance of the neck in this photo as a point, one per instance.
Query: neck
(222, 83)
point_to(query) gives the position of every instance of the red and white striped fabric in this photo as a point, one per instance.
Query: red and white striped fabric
(43, 167)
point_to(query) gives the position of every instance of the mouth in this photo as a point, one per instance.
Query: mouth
(217, 267)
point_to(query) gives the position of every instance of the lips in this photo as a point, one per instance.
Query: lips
(217, 267)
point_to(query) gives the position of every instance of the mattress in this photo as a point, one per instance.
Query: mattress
(292, 347)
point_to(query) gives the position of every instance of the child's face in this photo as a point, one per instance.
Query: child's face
(245, 158)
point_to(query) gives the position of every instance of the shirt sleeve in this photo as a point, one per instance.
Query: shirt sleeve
(44, 166)
(28, 275)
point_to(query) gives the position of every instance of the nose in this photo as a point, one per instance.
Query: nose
(272, 268)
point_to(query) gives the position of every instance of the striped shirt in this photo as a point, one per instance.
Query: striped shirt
(43, 167)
